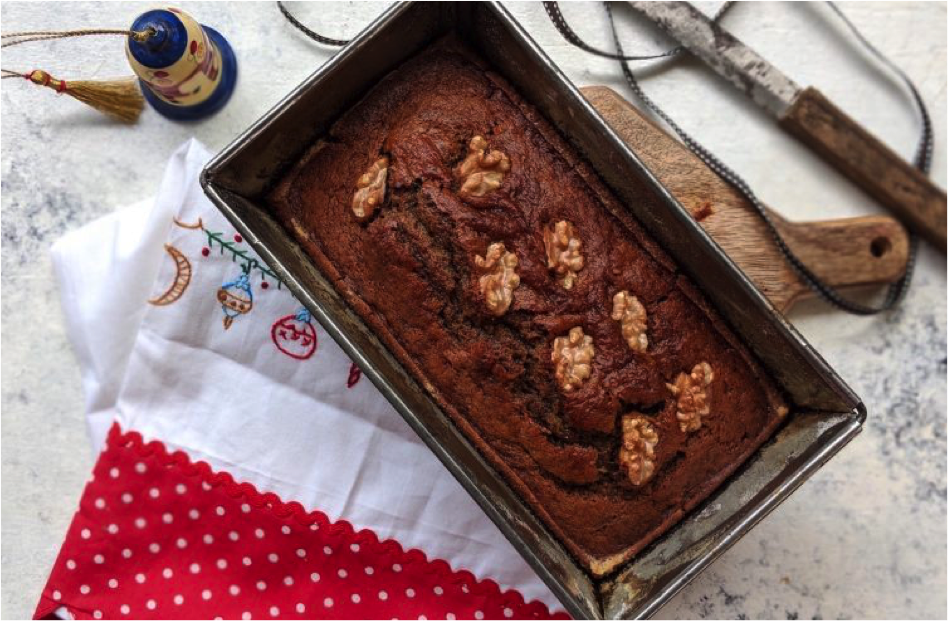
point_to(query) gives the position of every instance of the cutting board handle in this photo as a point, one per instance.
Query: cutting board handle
(867, 250)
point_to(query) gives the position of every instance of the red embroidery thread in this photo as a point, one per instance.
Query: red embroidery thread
(355, 374)
(295, 335)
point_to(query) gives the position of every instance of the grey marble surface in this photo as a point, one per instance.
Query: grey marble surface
(866, 537)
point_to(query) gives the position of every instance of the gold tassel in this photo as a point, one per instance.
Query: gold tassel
(120, 98)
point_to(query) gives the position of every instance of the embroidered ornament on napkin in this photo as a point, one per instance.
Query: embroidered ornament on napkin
(242, 445)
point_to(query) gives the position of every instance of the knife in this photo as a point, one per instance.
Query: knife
(811, 117)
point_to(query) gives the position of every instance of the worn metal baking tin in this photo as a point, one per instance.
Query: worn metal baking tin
(825, 414)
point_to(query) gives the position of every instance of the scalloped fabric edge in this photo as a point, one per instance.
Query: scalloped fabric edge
(144, 503)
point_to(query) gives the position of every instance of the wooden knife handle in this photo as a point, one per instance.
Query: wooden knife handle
(869, 163)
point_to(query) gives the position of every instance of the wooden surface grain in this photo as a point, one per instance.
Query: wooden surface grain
(846, 252)
(869, 163)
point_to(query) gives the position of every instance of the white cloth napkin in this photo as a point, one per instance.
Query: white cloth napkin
(232, 397)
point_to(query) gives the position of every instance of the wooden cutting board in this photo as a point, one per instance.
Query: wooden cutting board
(845, 253)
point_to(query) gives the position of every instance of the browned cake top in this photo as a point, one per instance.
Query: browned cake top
(503, 275)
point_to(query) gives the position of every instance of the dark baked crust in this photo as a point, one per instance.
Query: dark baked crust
(409, 272)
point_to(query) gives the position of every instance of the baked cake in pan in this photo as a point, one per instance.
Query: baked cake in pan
(506, 278)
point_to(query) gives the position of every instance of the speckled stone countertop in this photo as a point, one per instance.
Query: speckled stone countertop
(865, 537)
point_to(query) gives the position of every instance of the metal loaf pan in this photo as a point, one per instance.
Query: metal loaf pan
(825, 413)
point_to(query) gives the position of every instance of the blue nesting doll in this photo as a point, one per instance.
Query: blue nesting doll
(187, 71)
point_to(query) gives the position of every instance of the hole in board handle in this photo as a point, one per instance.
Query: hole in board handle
(880, 246)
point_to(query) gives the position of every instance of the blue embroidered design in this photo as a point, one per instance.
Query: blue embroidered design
(236, 299)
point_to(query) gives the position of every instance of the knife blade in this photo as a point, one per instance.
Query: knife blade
(810, 117)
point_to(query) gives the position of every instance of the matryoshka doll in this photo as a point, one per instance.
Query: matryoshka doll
(187, 71)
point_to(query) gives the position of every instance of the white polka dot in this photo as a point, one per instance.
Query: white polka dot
(354, 547)
(154, 548)
(396, 568)
(154, 493)
(300, 608)
(300, 552)
(113, 583)
(205, 486)
(140, 578)
(84, 589)
(180, 488)
(438, 590)
(194, 514)
(57, 595)
(140, 468)
(112, 528)
(286, 530)
(450, 616)
(327, 602)
(182, 542)
(234, 590)
(100, 503)
(327, 550)
(288, 580)
(478, 614)
(274, 611)
(259, 533)
(219, 510)
(314, 526)
(464, 588)
(343, 573)
(422, 618)
(245, 508)
(98, 559)
(246, 560)
(127, 498)
(233, 536)
(261, 585)
(124, 609)
(126, 553)
(178, 599)
(151, 604)
(272, 557)
(140, 522)
(383, 595)
(508, 612)
(114, 472)
(166, 572)
(369, 570)
(208, 539)
(70, 564)
(97, 614)
(167, 518)
(410, 592)
(245, 616)
(206, 594)
(85, 533)
(195, 568)
(314, 577)
(355, 598)
(221, 563)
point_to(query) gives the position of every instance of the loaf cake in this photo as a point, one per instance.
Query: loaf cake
(507, 279)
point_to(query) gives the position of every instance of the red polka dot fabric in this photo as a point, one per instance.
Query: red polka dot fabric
(159, 537)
